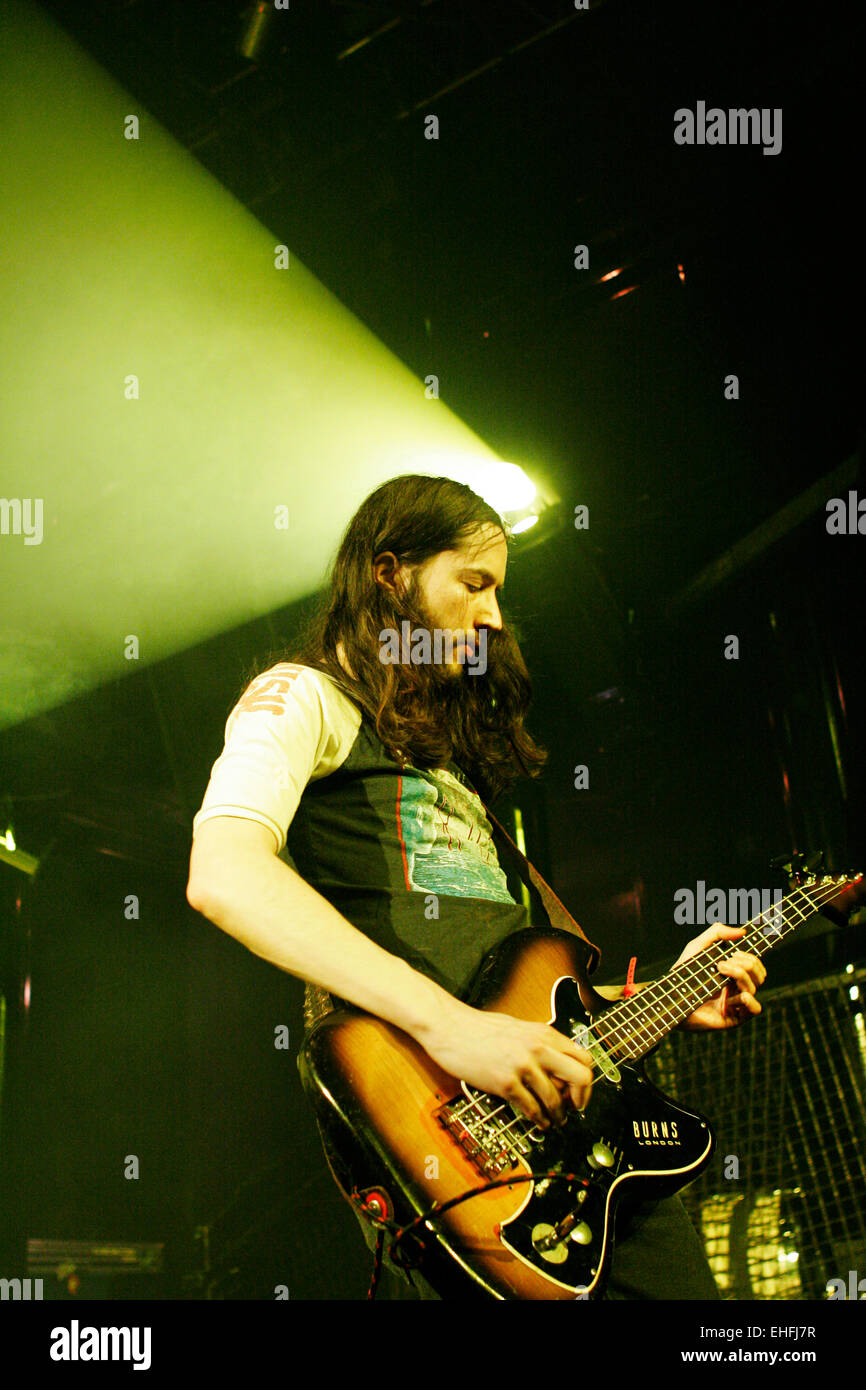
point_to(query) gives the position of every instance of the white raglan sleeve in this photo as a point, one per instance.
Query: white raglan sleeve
(286, 730)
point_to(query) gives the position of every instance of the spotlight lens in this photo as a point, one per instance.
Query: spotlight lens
(506, 487)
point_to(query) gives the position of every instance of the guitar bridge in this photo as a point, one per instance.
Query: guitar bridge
(487, 1130)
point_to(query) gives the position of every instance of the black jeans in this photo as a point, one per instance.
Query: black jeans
(659, 1255)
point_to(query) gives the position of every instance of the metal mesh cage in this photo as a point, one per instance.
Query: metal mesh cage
(780, 1207)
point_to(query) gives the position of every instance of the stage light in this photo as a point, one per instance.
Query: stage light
(257, 21)
(524, 525)
(11, 854)
(244, 353)
(505, 486)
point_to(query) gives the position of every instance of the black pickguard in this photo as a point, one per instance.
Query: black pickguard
(655, 1148)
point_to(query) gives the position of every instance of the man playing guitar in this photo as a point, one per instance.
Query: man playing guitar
(374, 773)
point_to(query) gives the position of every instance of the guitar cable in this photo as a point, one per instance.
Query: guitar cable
(383, 1225)
(377, 1264)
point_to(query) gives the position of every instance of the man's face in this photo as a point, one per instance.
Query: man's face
(457, 589)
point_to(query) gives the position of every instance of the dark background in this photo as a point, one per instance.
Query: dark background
(155, 1036)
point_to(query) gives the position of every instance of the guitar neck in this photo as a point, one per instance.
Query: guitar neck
(632, 1027)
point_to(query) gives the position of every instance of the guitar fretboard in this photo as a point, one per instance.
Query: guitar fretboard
(632, 1027)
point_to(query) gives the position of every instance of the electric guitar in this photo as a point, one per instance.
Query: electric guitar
(478, 1198)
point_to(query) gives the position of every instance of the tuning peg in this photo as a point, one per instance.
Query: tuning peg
(798, 866)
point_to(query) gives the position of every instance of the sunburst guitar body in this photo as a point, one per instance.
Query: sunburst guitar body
(401, 1129)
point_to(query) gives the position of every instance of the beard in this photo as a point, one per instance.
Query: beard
(454, 686)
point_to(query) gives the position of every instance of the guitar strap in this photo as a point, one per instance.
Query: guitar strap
(557, 913)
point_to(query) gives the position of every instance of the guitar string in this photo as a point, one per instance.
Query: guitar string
(715, 952)
(696, 974)
(698, 968)
(693, 969)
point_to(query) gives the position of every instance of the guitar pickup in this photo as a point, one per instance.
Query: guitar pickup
(585, 1038)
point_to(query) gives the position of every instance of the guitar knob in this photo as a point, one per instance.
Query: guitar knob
(601, 1157)
(581, 1233)
(546, 1242)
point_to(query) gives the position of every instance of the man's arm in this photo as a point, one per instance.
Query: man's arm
(237, 881)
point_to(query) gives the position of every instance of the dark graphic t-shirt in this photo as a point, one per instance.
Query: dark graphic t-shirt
(407, 855)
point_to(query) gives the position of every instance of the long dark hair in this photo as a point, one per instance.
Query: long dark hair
(476, 721)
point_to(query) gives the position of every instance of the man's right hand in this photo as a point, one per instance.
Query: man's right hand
(531, 1065)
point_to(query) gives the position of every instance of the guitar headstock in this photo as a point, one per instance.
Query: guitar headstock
(850, 892)
(802, 871)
